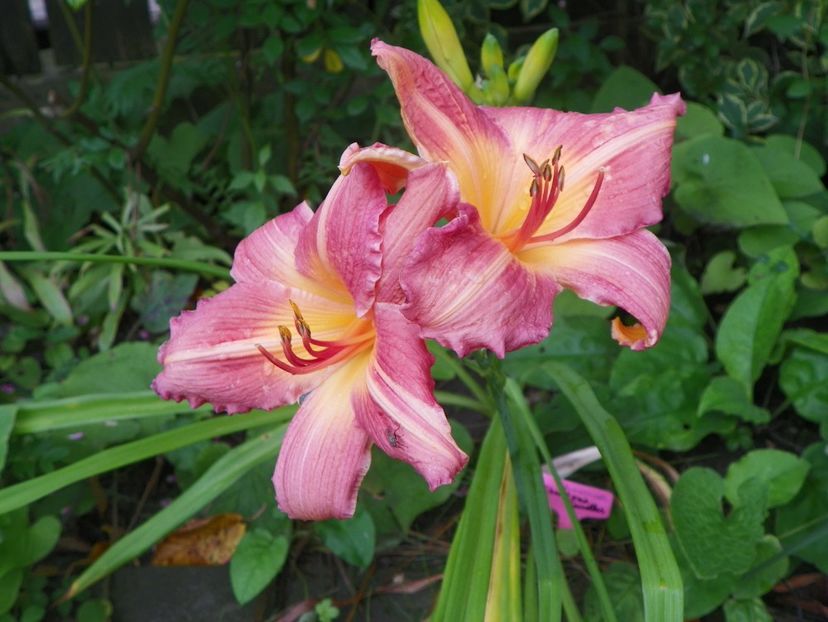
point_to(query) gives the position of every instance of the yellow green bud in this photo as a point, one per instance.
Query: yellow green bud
(441, 40)
(514, 69)
(491, 55)
(497, 86)
(537, 63)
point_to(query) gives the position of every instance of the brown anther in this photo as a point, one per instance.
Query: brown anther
(533, 166)
(561, 179)
(296, 312)
(547, 171)
(284, 333)
(302, 327)
(557, 155)
(533, 189)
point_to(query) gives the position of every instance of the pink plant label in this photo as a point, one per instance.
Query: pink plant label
(587, 501)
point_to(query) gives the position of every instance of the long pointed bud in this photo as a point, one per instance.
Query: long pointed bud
(537, 63)
(496, 88)
(491, 55)
(442, 42)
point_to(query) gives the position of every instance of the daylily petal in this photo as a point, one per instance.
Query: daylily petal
(268, 252)
(324, 454)
(468, 291)
(431, 194)
(211, 355)
(397, 406)
(342, 247)
(630, 271)
(446, 126)
(632, 148)
(391, 164)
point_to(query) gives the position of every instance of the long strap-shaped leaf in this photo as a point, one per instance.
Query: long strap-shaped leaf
(660, 578)
(73, 412)
(219, 477)
(472, 562)
(109, 459)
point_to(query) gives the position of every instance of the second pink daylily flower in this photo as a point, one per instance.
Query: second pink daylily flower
(315, 310)
(550, 200)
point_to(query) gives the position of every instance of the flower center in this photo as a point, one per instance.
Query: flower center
(547, 185)
(318, 353)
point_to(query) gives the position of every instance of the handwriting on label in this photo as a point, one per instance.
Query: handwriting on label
(587, 501)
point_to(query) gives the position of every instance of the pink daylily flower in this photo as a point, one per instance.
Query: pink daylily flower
(549, 200)
(315, 311)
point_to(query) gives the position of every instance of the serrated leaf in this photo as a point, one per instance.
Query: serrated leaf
(256, 562)
(780, 473)
(712, 543)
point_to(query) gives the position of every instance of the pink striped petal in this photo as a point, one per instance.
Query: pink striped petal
(391, 164)
(467, 291)
(446, 126)
(211, 355)
(630, 271)
(324, 454)
(341, 247)
(397, 407)
(431, 193)
(632, 148)
(268, 252)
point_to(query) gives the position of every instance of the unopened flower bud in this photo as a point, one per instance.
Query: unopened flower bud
(537, 63)
(442, 42)
(497, 86)
(491, 56)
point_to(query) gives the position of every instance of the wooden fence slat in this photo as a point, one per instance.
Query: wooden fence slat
(18, 45)
(121, 30)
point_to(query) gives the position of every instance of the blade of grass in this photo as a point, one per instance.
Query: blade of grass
(219, 477)
(468, 568)
(527, 473)
(23, 493)
(448, 359)
(503, 602)
(660, 577)
(73, 412)
(158, 262)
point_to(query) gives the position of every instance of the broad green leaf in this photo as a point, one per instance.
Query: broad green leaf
(127, 367)
(701, 596)
(791, 178)
(720, 181)
(686, 300)
(353, 540)
(807, 338)
(174, 156)
(753, 321)
(10, 583)
(802, 524)
(698, 120)
(8, 413)
(167, 295)
(804, 380)
(720, 275)
(756, 241)
(624, 586)
(799, 150)
(223, 474)
(95, 610)
(752, 610)
(726, 395)
(780, 473)
(625, 87)
(765, 573)
(819, 231)
(712, 543)
(41, 538)
(256, 562)
(661, 580)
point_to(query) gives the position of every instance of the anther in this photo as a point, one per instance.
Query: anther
(557, 155)
(547, 171)
(533, 188)
(533, 166)
(284, 333)
(296, 312)
(561, 179)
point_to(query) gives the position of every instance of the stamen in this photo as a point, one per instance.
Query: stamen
(561, 180)
(593, 196)
(533, 166)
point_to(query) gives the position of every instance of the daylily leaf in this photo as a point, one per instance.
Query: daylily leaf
(8, 412)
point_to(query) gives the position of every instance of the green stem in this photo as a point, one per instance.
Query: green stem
(157, 262)
(464, 376)
(163, 81)
(463, 401)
